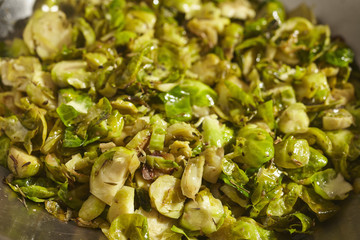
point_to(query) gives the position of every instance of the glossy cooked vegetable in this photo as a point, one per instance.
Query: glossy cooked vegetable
(180, 119)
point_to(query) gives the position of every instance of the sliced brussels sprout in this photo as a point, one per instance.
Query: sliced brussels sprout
(47, 33)
(110, 172)
(292, 153)
(19, 72)
(204, 213)
(91, 208)
(314, 88)
(324, 209)
(13, 128)
(213, 159)
(254, 146)
(129, 226)
(21, 164)
(316, 162)
(71, 73)
(166, 196)
(123, 203)
(238, 9)
(331, 185)
(192, 176)
(248, 228)
(158, 133)
(216, 134)
(336, 119)
(160, 227)
(294, 119)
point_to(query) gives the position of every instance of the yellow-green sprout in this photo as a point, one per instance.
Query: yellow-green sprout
(204, 213)
(192, 176)
(292, 153)
(21, 164)
(166, 196)
(47, 33)
(294, 119)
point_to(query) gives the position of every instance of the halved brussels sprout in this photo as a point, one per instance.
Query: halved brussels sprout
(123, 203)
(166, 196)
(331, 185)
(21, 164)
(204, 213)
(313, 88)
(292, 153)
(336, 119)
(91, 208)
(71, 73)
(192, 176)
(47, 33)
(294, 119)
(254, 146)
(110, 172)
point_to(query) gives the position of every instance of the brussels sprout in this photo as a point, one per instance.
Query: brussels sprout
(234, 195)
(160, 163)
(13, 128)
(129, 226)
(238, 9)
(160, 227)
(292, 153)
(71, 73)
(294, 119)
(110, 172)
(86, 31)
(171, 32)
(272, 11)
(46, 33)
(18, 73)
(178, 148)
(318, 137)
(140, 20)
(284, 205)
(209, 27)
(123, 203)
(76, 163)
(158, 133)
(21, 164)
(313, 88)
(192, 176)
(248, 228)
(200, 94)
(184, 6)
(183, 131)
(254, 146)
(316, 162)
(139, 140)
(177, 104)
(233, 34)
(95, 60)
(204, 213)
(206, 69)
(166, 196)
(36, 189)
(336, 119)
(215, 134)
(212, 168)
(331, 185)
(324, 209)
(340, 57)
(91, 208)
(234, 176)
(53, 168)
(266, 112)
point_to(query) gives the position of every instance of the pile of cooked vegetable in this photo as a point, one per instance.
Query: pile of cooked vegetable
(180, 119)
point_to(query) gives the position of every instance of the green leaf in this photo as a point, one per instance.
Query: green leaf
(233, 176)
(341, 57)
(177, 104)
(200, 94)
